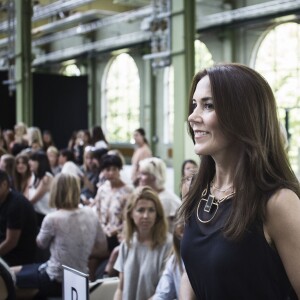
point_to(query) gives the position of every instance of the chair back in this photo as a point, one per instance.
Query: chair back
(7, 288)
(104, 289)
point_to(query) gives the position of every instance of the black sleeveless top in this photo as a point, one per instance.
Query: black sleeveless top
(222, 269)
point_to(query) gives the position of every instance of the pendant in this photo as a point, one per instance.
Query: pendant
(207, 209)
(209, 203)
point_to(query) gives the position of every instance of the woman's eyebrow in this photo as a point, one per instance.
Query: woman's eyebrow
(203, 99)
(206, 98)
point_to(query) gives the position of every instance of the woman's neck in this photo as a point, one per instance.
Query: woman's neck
(159, 190)
(69, 209)
(222, 183)
(141, 144)
(117, 183)
(145, 237)
(226, 164)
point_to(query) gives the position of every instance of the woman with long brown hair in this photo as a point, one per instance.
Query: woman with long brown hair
(22, 174)
(242, 231)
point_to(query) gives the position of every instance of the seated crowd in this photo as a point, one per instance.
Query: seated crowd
(58, 205)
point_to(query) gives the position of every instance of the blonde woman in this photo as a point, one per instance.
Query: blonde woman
(70, 232)
(35, 139)
(53, 154)
(146, 245)
(153, 173)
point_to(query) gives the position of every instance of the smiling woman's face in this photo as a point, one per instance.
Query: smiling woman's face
(209, 138)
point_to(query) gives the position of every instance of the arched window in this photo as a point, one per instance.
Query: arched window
(278, 60)
(169, 105)
(70, 70)
(203, 57)
(122, 99)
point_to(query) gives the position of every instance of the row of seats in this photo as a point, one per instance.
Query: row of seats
(7, 289)
(99, 289)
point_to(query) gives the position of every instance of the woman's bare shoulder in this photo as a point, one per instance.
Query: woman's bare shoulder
(282, 212)
(47, 179)
(282, 200)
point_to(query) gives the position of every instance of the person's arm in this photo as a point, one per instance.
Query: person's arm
(88, 184)
(97, 201)
(282, 228)
(134, 170)
(43, 187)
(119, 218)
(46, 234)
(186, 291)
(166, 285)
(100, 248)
(109, 268)
(185, 187)
(104, 215)
(119, 291)
(11, 241)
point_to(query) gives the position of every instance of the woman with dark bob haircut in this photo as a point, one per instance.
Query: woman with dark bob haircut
(242, 224)
(110, 200)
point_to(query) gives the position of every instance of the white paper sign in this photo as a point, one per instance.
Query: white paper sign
(75, 284)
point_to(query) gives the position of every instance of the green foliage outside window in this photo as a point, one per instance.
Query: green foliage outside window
(123, 99)
(278, 60)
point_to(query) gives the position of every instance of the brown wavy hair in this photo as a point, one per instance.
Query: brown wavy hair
(21, 182)
(247, 113)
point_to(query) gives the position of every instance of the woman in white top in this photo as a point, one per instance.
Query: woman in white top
(147, 243)
(40, 185)
(98, 138)
(71, 233)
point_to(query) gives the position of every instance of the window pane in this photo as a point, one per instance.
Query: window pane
(278, 60)
(70, 70)
(203, 57)
(169, 105)
(122, 96)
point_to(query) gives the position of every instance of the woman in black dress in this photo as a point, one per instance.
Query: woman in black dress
(242, 212)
